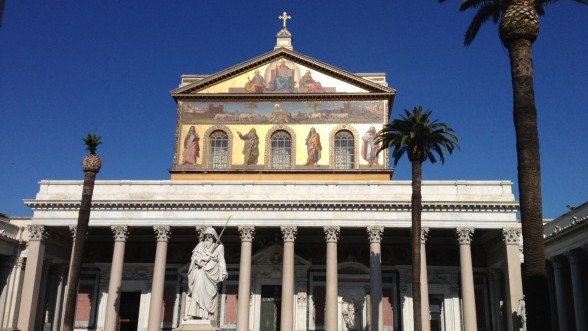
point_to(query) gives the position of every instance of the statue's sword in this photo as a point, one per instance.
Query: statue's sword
(223, 230)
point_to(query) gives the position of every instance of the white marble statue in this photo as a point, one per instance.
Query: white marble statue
(207, 270)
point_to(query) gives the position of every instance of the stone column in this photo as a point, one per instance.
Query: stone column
(16, 292)
(512, 278)
(244, 295)
(464, 236)
(162, 233)
(377, 308)
(425, 313)
(61, 274)
(576, 258)
(116, 271)
(332, 295)
(287, 318)
(560, 292)
(6, 264)
(32, 278)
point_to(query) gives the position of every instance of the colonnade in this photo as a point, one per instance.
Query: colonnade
(36, 248)
(570, 268)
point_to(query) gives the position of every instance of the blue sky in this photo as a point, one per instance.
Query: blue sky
(68, 68)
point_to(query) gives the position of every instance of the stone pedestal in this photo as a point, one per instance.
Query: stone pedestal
(198, 325)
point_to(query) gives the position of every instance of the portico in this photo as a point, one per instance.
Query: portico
(327, 269)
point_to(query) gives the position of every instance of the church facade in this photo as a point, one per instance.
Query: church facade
(277, 154)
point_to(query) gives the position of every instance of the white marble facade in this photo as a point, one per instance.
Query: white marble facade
(488, 207)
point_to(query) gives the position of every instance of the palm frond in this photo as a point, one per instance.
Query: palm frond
(91, 141)
(415, 135)
(485, 13)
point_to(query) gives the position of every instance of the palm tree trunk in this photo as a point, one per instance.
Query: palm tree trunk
(78, 251)
(529, 177)
(416, 208)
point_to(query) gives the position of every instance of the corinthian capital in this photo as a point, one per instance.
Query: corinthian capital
(464, 235)
(332, 233)
(424, 235)
(121, 232)
(247, 232)
(289, 233)
(37, 232)
(162, 232)
(375, 234)
(511, 236)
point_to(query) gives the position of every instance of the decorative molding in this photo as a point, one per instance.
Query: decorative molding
(373, 87)
(465, 235)
(332, 233)
(560, 231)
(511, 236)
(37, 232)
(375, 234)
(289, 233)
(162, 232)
(247, 232)
(121, 232)
(185, 205)
(424, 235)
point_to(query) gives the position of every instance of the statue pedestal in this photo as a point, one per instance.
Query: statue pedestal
(198, 325)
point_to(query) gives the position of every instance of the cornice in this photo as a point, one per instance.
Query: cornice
(276, 54)
(561, 232)
(283, 96)
(276, 205)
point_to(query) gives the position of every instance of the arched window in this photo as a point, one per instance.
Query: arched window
(344, 150)
(281, 150)
(218, 150)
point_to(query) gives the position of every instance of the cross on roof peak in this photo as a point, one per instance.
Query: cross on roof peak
(284, 17)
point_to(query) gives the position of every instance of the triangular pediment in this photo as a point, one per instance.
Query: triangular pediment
(281, 71)
(274, 255)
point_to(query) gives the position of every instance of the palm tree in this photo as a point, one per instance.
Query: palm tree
(420, 138)
(519, 27)
(91, 166)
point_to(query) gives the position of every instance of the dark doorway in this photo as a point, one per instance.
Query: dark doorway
(128, 316)
(436, 309)
(270, 307)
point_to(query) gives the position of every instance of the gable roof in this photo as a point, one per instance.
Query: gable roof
(192, 89)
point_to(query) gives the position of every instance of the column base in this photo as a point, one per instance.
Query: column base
(198, 325)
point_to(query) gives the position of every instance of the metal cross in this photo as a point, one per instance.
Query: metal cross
(285, 17)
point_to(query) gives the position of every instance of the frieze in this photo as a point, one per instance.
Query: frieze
(137, 273)
(272, 206)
